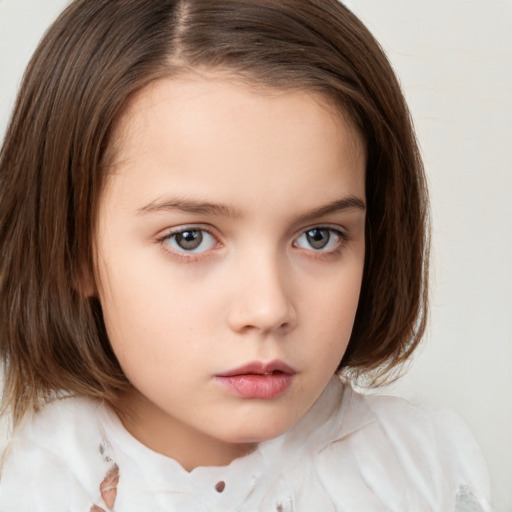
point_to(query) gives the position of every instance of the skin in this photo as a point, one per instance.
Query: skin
(255, 289)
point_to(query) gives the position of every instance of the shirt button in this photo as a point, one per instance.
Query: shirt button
(220, 486)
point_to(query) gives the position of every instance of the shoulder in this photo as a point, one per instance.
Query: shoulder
(401, 455)
(57, 418)
(432, 428)
(62, 427)
(54, 458)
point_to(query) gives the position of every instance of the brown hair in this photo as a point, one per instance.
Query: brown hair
(55, 158)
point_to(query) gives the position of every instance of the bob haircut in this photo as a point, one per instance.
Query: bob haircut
(61, 137)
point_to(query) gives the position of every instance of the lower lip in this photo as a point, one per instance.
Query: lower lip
(257, 386)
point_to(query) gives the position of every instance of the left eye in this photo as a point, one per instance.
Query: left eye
(191, 240)
(319, 239)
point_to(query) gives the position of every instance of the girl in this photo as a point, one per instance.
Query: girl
(213, 215)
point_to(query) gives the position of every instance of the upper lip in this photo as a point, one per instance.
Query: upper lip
(260, 368)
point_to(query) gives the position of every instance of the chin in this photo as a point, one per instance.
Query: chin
(257, 431)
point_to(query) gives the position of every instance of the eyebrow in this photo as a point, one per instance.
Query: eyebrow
(346, 203)
(222, 210)
(191, 206)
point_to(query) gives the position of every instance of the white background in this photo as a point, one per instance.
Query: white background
(454, 58)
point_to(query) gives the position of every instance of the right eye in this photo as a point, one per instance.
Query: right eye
(190, 240)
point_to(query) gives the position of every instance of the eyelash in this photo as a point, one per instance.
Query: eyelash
(342, 239)
(184, 255)
(190, 256)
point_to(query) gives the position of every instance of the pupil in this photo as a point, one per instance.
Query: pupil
(189, 240)
(318, 238)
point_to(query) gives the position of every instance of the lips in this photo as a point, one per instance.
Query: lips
(258, 380)
(259, 368)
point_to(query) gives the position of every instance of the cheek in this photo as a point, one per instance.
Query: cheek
(338, 298)
(330, 314)
(149, 311)
(339, 309)
(130, 310)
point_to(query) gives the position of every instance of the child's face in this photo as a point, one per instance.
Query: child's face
(231, 235)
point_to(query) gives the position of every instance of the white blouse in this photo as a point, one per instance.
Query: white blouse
(350, 453)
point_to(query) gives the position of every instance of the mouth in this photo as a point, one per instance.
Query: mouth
(258, 380)
(260, 368)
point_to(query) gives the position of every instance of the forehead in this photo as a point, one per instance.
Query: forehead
(224, 93)
(221, 135)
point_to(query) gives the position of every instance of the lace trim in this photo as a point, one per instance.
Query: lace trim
(108, 487)
(466, 501)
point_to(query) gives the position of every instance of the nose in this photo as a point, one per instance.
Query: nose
(263, 298)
